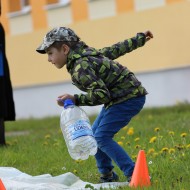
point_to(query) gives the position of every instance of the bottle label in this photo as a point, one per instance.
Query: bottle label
(80, 128)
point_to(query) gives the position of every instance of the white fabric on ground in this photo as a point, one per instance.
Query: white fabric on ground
(14, 179)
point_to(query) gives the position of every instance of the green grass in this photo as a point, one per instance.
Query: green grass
(164, 134)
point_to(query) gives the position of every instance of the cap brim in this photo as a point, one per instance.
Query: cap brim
(40, 49)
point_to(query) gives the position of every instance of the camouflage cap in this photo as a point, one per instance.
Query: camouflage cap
(60, 34)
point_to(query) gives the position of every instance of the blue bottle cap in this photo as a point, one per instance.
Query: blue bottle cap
(68, 102)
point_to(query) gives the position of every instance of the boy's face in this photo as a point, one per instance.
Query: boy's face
(58, 57)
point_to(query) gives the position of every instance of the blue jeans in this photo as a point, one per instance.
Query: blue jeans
(106, 125)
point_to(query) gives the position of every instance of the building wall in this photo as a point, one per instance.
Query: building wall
(165, 87)
(162, 64)
(168, 49)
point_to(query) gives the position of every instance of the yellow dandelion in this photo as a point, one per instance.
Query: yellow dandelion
(130, 131)
(137, 139)
(151, 151)
(122, 137)
(157, 129)
(78, 161)
(134, 157)
(75, 171)
(125, 128)
(171, 150)
(47, 136)
(153, 139)
(165, 149)
(120, 143)
(171, 133)
(155, 154)
(45, 143)
(183, 135)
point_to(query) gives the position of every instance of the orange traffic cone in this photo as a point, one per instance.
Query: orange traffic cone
(2, 187)
(140, 177)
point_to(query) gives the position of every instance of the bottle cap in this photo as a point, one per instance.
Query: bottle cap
(68, 102)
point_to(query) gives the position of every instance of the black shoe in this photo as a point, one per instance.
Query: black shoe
(110, 177)
(129, 179)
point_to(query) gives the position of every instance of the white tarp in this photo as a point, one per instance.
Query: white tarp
(14, 179)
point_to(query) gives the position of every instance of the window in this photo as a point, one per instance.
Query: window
(51, 4)
(25, 5)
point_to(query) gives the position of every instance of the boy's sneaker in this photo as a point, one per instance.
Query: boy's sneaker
(110, 177)
(129, 179)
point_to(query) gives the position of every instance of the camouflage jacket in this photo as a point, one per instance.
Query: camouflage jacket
(105, 81)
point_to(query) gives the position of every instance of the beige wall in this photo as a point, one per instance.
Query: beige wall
(169, 48)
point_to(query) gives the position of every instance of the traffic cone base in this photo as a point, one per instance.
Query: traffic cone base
(140, 175)
(2, 187)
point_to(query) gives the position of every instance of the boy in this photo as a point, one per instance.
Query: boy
(105, 82)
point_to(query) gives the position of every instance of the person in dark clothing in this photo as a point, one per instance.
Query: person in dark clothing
(7, 107)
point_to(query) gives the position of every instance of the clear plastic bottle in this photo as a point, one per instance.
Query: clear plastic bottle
(77, 132)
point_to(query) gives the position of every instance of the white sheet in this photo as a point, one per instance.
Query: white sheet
(14, 179)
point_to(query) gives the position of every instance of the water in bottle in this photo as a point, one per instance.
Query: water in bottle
(77, 132)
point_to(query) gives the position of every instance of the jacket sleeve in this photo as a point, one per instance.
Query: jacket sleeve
(121, 48)
(96, 91)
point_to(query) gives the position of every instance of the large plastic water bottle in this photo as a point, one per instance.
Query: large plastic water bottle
(77, 132)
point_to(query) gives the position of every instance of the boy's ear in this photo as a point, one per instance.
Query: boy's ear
(66, 49)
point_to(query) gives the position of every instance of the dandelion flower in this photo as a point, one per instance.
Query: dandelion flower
(45, 143)
(120, 143)
(78, 161)
(137, 139)
(183, 135)
(47, 136)
(151, 151)
(165, 149)
(171, 150)
(155, 154)
(153, 139)
(130, 131)
(134, 157)
(171, 133)
(75, 171)
(157, 129)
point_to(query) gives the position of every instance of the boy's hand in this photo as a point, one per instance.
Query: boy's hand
(62, 98)
(148, 35)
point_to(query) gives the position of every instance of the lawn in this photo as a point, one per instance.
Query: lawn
(36, 146)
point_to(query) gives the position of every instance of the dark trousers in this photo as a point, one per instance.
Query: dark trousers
(2, 132)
